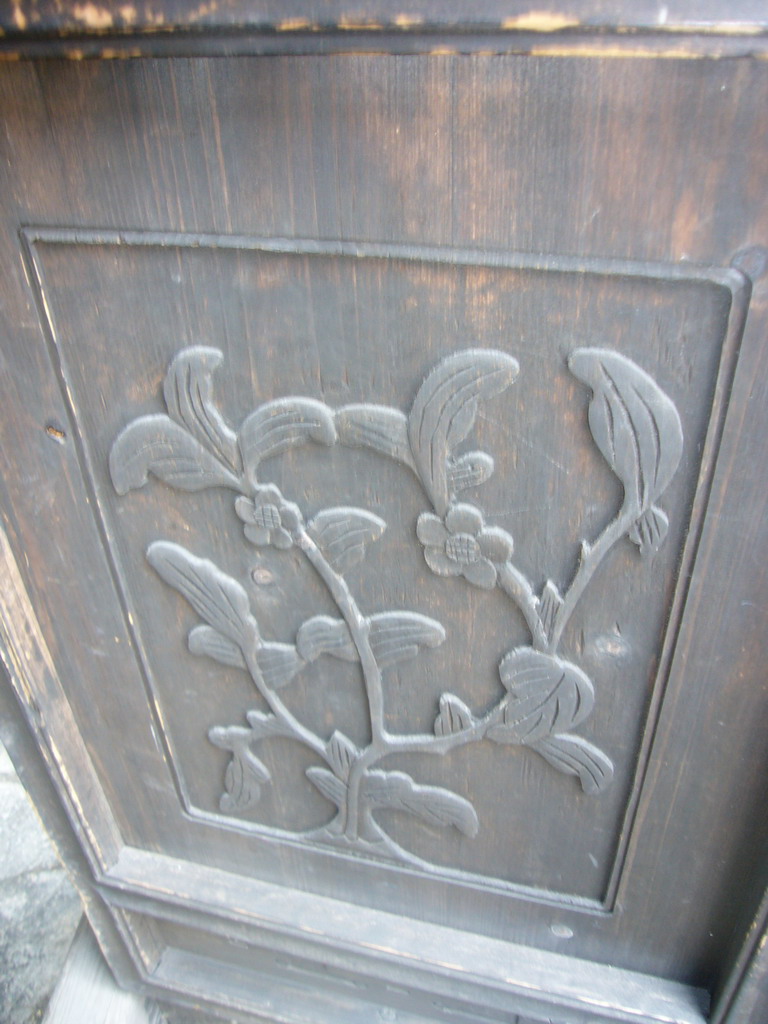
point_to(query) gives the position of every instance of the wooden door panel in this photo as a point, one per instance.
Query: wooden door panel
(376, 237)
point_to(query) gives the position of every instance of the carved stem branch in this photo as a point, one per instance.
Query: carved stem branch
(516, 586)
(281, 712)
(372, 753)
(591, 557)
(425, 743)
(359, 629)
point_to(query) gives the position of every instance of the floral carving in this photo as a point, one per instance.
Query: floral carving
(268, 517)
(543, 696)
(462, 545)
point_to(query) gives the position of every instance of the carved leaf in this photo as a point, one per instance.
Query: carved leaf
(551, 602)
(245, 773)
(263, 725)
(330, 785)
(393, 636)
(378, 427)
(572, 755)
(445, 408)
(278, 663)
(323, 635)
(205, 640)
(342, 753)
(397, 636)
(454, 716)
(649, 530)
(634, 424)
(433, 804)
(157, 445)
(216, 597)
(188, 393)
(279, 425)
(546, 695)
(342, 534)
(468, 471)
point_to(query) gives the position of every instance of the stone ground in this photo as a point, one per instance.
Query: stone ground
(39, 909)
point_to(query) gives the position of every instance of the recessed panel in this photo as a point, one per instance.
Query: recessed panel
(398, 534)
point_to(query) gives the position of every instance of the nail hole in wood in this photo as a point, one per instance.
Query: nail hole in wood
(55, 433)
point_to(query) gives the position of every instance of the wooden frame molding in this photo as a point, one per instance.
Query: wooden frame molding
(40, 28)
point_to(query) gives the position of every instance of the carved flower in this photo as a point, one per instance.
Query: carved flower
(462, 545)
(268, 517)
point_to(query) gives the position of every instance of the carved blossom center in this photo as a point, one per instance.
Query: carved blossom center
(462, 548)
(267, 516)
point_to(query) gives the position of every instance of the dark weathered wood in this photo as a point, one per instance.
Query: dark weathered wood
(340, 229)
(229, 27)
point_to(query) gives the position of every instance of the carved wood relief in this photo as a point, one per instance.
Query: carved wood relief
(635, 426)
(402, 558)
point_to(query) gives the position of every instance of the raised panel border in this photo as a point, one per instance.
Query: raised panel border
(418, 972)
(728, 278)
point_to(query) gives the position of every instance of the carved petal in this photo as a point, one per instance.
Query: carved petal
(482, 573)
(440, 563)
(245, 508)
(430, 529)
(463, 518)
(258, 535)
(495, 544)
(281, 539)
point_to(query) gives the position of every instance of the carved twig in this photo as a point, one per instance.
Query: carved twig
(516, 586)
(426, 743)
(296, 729)
(589, 561)
(359, 628)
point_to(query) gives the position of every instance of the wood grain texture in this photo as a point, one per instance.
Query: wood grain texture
(616, 160)
(590, 27)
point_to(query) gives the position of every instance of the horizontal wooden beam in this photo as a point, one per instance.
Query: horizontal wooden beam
(705, 28)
